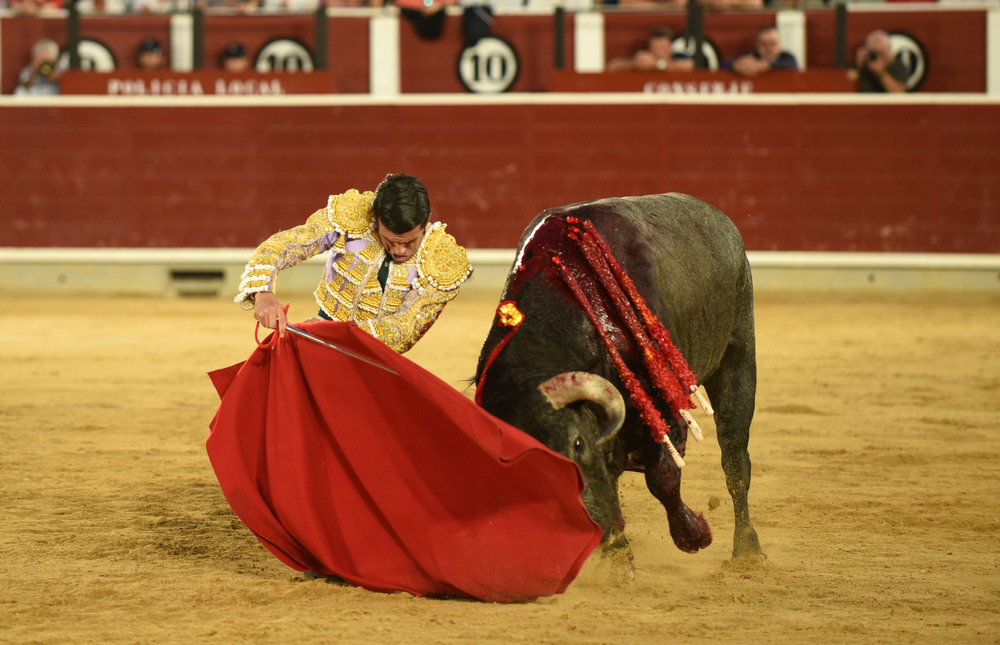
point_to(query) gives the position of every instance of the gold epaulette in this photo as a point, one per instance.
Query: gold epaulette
(351, 212)
(441, 262)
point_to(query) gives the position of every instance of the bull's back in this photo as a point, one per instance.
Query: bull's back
(686, 259)
(677, 233)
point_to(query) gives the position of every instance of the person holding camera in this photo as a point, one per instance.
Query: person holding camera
(40, 77)
(876, 69)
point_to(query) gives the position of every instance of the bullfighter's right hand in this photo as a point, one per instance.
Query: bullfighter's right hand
(269, 312)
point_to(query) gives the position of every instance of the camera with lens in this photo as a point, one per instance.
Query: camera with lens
(872, 56)
(46, 68)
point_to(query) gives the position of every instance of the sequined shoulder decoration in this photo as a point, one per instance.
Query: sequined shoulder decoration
(351, 212)
(441, 262)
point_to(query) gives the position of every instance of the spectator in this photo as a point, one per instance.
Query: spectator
(150, 57)
(292, 6)
(428, 18)
(722, 5)
(233, 6)
(159, 6)
(649, 3)
(234, 58)
(767, 55)
(657, 56)
(876, 69)
(100, 6)
(32, 7)
(710, 4)
(40, 77)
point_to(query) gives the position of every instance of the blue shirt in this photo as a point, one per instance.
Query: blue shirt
(40, 86)
(783, 61)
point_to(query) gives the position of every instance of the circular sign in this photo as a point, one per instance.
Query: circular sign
(284, 55)
(490, 66)
(908, 49)
(686, 45)
(94, 57)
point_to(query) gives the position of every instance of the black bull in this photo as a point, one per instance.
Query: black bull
(687, 261)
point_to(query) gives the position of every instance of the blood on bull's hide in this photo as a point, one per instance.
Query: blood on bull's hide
(552, 371)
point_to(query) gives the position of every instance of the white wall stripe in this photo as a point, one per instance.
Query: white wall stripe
(588, 42)
(993, 51)
(383, 74)
(182, 42)
(792, 31)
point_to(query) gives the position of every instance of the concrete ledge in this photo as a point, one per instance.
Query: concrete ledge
(216, 272)
(799, 271)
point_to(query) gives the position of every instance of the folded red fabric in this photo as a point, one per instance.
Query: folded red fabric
(392, 482)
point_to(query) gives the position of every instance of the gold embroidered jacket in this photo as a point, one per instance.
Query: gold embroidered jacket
(415, 292)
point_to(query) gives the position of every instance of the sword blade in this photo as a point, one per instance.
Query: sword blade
(342, 350)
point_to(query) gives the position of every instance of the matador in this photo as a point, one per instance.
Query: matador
(388, 269)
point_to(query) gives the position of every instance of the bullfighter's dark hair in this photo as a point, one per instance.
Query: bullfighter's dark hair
(401, 203)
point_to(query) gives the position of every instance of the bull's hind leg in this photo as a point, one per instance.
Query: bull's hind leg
(732, 390)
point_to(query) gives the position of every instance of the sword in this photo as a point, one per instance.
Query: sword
(320, 341)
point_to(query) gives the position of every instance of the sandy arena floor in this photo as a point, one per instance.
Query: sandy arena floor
(876, 490)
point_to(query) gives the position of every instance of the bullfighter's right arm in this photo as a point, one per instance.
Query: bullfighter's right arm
(348, 213)
(282, 250)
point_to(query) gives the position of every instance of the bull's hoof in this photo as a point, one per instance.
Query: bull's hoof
(746, 549)
(749, 560)
(689, 530)
(617, 554)
(620, 565)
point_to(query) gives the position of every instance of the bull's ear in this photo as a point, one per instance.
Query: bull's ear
(569, 387)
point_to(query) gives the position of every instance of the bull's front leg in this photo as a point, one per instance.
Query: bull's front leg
(617, 552)
(689, 530)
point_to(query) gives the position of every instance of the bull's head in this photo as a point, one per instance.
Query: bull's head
(586, 441)
(570, 387)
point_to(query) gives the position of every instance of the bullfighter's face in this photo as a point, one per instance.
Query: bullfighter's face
(401, 246)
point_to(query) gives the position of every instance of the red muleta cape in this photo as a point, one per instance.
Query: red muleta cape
(392, 482)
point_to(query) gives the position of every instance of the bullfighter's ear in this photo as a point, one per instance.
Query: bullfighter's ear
(570, 387)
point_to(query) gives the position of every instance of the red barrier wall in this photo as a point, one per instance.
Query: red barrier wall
(833, 176)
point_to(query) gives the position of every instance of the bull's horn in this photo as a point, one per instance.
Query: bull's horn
(569, 387)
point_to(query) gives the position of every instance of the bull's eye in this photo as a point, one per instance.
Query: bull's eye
(578, 446)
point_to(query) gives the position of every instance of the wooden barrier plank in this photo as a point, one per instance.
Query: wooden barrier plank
(795, 174)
